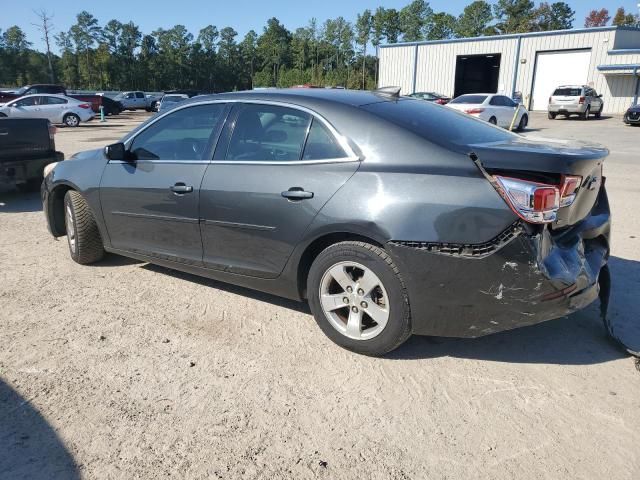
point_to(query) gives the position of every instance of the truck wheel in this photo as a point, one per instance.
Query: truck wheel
(552, 116)
(358, 298)
(71, 120)
(524, 121)
(493, 121)
(85, 242)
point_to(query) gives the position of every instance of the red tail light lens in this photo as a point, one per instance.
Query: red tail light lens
(84, 105)
(582, 99)
(531, 201)
(474, 111)
(440, 101)
(569, 189)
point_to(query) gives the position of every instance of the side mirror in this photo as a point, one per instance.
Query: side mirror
(116, 151)
(600, 96)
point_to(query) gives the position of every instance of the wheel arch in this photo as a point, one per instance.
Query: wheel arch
(55, 208)
(315, 247)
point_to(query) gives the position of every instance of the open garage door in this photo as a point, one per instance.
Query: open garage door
(558, 68)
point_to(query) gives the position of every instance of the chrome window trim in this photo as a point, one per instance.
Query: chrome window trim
(342, 140)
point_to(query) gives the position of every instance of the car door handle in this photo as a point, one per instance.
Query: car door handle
(296, 193)
(181, 188)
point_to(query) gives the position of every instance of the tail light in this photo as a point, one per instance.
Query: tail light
(84, 105)
(568, 189)
(531, 201)
(440, 101)
(474, 111)
(582, 99)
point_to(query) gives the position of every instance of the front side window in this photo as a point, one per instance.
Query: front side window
(129, 95)
(321, 144)
(182, 135)
(268, 133)
(25, 102)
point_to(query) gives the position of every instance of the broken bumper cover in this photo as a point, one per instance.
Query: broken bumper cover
(522, 278)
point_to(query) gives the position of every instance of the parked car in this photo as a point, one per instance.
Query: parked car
(390, 215)
(27, 146)
(493, 108)
(136, 101)
(578, 100)
(55, 108)
(432, 97)
(171, 100)
(111, 107)
(44, 88)
(632, 115)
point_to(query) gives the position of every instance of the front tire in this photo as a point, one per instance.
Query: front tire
(585, 115)
(71, 120)
(493, 121)
(358, 298)
(552, 116)
(85, 242)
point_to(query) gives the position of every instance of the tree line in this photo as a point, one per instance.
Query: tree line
(119, 56)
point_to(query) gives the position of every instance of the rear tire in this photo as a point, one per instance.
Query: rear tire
(493, 121)
(71, 120)
(552, 116)
(371, 313)
(524, 121)
(85, 242)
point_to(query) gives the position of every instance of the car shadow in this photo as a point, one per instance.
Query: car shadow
(30, 446)
(579, 339)
(14, 201)
(228, 287)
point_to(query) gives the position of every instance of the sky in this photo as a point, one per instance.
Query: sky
(242, 15)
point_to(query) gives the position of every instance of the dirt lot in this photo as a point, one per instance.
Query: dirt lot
(127, 370)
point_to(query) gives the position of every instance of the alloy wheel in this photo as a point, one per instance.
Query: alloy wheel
(71, 231)
(354, 300)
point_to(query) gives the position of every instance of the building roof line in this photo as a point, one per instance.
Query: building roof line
(511, 36)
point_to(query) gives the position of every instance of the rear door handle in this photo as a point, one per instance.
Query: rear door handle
(181, 189)
(296, 193)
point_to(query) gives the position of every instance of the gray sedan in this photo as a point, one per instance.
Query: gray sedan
(389, 215)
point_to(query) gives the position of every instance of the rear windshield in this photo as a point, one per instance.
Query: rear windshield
(567, 92)
(470, 99)
(437, 124)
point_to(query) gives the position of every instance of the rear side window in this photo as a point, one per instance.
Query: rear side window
(567, 92)
(55, 101)
(441, 126)
(268, 133)
(471, 99)
(139, 95)
(181, 135)
(321, 144)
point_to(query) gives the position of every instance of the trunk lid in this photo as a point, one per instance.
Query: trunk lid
(545, 160)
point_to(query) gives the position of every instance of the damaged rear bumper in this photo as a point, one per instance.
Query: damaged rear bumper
(525, 276)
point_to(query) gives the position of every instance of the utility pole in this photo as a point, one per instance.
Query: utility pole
(46, 27)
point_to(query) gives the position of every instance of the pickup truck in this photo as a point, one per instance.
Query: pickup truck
(137, 101)
(110, 107)
(27, 146)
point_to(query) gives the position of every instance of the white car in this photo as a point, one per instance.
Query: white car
(493, 108)
(55, 108)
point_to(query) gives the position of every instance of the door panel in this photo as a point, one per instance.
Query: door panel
(248, 226)
(143, 215)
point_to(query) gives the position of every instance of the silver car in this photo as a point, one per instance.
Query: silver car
(171, 100)
(55, 108)
(578, 100)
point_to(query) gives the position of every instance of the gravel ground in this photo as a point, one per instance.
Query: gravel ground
(128, 370)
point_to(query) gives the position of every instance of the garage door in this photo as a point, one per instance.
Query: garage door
(558, 68)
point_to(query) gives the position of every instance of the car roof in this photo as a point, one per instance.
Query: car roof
(305, 96)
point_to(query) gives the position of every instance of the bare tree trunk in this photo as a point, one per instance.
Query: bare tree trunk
(46, 28)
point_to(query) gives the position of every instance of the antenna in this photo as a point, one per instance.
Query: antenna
(389, 91)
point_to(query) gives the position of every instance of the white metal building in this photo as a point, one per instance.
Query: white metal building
(534, 64)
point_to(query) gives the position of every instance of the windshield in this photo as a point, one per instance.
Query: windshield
(567, 92)
(21, 91)
(472, 99)
(437, 124)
